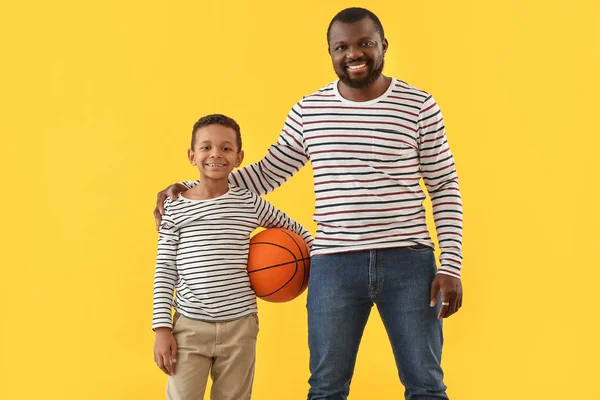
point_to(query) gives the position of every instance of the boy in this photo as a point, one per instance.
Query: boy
(203, 245)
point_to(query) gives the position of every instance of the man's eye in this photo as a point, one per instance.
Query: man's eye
(368, 44)
(340, 48)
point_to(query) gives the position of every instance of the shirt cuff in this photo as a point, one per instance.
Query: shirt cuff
(450, 271)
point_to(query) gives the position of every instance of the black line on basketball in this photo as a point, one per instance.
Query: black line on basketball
(284, 285)
(303, 263)
(277, 265)
(276, 245)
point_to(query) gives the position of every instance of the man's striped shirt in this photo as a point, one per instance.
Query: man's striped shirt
(203, 253)
(368, 159)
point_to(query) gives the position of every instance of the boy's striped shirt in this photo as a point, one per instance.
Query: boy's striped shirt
(203, 252)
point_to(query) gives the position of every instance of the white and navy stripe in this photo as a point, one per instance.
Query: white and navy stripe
(368, 159)
(202, 255)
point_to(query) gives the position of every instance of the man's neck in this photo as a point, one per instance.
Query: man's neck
(371, 92)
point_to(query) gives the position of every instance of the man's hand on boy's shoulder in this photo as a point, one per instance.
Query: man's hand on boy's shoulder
(171, 191)
(165, 350)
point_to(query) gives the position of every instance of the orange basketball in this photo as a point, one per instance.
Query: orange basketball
(278, 265)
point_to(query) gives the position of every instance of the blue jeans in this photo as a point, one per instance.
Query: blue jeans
(342, 289)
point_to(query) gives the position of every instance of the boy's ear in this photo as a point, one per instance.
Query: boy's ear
(191, 157)
(240, 158)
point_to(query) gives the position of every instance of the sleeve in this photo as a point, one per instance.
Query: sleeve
(165, 274)
(439, 175)
(283, 159)
(270, 217)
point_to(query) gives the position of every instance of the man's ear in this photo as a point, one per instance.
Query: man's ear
(384, 44)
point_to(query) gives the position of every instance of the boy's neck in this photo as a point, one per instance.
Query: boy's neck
(207, 189)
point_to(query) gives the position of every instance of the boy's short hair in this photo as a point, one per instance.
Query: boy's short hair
(355, 14)
(218, 119)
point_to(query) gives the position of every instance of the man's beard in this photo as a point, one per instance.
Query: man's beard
(372, 76)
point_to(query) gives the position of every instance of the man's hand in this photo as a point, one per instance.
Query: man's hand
(165, 350)
(452, 294)
(172, 192)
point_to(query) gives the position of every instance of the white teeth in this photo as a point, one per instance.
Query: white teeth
(356, 66)
(216, 165)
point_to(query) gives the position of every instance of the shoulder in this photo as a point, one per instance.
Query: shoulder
(175, 208)
(172, 209)
(405, 87)
(323, 93)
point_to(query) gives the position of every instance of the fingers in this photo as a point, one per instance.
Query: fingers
(160, 200)
(433, 296)
(168, 363)
(445, 306)
(173, 355)
(174, 190)
(163, 362)
(159, 211)
(451, 302)
(157, 218)
(450, 289)
(165, 351)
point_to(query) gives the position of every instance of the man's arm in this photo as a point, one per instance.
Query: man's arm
(283, 159)
(271, 217)
(439, 175)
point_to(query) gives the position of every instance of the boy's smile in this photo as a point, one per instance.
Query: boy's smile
(215, 153)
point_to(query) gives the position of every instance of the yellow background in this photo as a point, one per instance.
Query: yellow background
(97, 102)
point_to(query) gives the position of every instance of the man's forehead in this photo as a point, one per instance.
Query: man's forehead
(344, 31)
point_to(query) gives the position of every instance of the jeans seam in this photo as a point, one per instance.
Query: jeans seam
(379, 272)
(372, 271)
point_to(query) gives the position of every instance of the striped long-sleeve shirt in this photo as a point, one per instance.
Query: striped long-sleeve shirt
(203, 253)
(368, 159)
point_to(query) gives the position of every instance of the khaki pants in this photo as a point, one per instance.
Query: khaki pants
(225, 349)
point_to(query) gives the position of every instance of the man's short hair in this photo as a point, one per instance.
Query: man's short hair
(355, 14)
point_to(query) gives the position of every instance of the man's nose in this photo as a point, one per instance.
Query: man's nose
(354, 52)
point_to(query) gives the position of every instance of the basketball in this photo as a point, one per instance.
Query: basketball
(278, 265)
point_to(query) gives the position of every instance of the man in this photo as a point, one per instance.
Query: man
(370, 139)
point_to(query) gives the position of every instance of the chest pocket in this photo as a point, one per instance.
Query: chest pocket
(390, 146)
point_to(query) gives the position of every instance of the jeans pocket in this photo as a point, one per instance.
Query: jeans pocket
(419, 248)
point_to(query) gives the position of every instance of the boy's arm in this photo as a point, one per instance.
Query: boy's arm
(283, 159)
(166, 272)
(439, 175)
(271, 217)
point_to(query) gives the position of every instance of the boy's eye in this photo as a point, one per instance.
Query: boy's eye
(204, 148)
(226, 148)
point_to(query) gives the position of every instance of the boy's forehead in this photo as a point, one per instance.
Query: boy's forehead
(215, 131)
